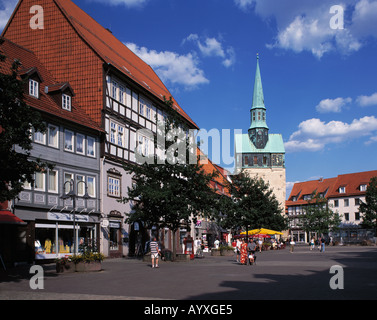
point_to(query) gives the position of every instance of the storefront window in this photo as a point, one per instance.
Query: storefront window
(52, 240)
(45, 240)
(65, 240)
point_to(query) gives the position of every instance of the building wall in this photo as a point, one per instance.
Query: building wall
(276, 178)
(348, 208)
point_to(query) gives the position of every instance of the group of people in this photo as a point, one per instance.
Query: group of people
(246, 251)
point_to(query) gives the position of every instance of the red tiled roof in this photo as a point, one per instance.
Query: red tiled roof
(351, 182)
(209, 167)
(114, 52)
(44, 103)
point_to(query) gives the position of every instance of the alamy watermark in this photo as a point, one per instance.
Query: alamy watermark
(337, 20)
(337, 280)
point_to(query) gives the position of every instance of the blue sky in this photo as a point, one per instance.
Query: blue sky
(319, 80)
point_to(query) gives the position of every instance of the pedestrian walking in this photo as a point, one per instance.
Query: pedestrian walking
(238, 248)
(292, 243)
(323, 245)
(312, 243)
(260, 243)
(155, 252)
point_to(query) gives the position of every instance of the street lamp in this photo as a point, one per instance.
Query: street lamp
(72, 194)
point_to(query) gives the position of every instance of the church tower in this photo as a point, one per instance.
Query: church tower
(260, 153)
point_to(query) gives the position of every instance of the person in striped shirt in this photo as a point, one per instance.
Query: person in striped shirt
(155, 251)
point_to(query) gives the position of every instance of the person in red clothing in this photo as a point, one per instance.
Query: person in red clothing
(243, 252)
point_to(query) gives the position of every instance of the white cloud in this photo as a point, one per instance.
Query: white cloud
(212, 47)
(305, 25)
(314, 134)
(172, 67)
(365, 101)
(332, 105)
(6, 9)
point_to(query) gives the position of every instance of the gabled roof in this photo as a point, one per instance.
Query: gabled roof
(351, 182)
(115, 53)
(44, 103)
(302, 189)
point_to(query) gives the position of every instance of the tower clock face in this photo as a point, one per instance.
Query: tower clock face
(259, 137)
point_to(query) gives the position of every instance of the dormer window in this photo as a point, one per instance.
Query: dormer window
(34, 88)
(363, 187)
(342, 189)
(66, 102)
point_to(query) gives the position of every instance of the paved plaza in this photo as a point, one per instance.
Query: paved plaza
(303, 274)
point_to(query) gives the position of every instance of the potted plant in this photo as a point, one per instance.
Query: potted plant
(64, 264)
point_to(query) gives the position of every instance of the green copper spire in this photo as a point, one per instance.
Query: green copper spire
(258, 110)
(258, 99)
(258, 131)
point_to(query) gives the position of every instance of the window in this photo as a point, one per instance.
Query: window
(80, 143)
(67, 186)
(114, 89)
(144, 146)
(142, 106)
(91, 187)
(68, 140)
(357, 216)
(53, 136)
(336, 203)
(80, 186)
(113, 186)
(117, 134)
(122, 94)
(120, 136)
(39, 137)
(66, 102)
(346, 216)
(39, 182)
(363, 187)
(91, 151)
(342, 189)
(346, 202)
(33, 88)
(53, 181)
(357, 201)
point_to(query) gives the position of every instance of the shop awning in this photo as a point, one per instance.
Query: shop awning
(261, 231)
(7, 217)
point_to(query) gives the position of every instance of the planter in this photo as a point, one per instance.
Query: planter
(65, 267)
(215, 253)
(88, 266)
(227, 253)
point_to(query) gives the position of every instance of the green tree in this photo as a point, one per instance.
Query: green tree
(252, 205)
(170, 190)
(16, 121)
(368, 209)
(318, 216)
